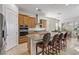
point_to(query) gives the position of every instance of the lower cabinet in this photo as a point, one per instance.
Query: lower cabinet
(23, 39)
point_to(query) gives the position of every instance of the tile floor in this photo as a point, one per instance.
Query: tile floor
(21, 49)
(72, 49)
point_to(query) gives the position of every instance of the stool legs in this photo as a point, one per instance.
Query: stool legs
(36, 49)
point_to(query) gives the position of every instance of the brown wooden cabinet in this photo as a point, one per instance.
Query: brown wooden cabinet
(21, 19)
(32, 22)
(43, 23)
(23, 39)
(26, 20)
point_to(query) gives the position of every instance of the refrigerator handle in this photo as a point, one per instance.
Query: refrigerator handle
(3, 33)
(5, 30)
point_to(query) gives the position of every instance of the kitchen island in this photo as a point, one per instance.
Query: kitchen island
(33, 39)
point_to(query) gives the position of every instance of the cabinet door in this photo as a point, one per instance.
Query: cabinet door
(26, 20)
(21, 19)
(32, 22)
(43, 23)
(23, 39)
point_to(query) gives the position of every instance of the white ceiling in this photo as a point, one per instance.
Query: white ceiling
(58, 11)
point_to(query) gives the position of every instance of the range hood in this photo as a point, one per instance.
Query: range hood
(38, 21)
(37, 27)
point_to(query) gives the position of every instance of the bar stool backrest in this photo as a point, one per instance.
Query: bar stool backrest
(61, 35)
(65, 35)
(55, 37)
(46, 37)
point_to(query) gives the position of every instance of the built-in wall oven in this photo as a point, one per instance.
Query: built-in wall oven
(23, 30)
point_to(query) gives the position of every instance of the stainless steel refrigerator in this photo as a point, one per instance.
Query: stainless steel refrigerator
(2, 35)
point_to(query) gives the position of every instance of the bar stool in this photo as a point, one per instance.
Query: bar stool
(60, 41)
(52, 46)
(65, 40)
(43, 44)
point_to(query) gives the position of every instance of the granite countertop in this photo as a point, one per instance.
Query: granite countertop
(35, 36)
(38, 35)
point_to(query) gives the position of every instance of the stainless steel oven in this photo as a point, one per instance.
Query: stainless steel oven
(23, 30)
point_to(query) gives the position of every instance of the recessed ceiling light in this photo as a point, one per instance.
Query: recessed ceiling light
(37, 9)
(66, 4)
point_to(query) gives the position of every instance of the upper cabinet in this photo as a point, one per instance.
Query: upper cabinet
(21, 19)
(32, 22)
(26, 20)
(43, 23)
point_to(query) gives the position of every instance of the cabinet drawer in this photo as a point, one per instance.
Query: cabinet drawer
(23, 40)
